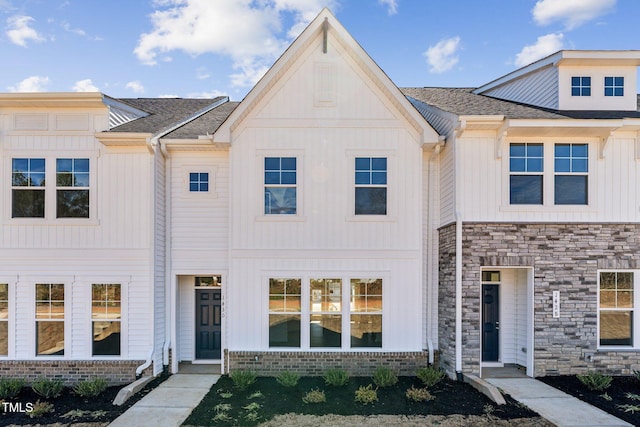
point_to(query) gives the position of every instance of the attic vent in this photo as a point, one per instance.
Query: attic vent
(325, 30)
(325, 82)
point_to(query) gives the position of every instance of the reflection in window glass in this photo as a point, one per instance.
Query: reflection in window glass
(28, 183)
(106, 314)
(366, 313)
(285, 306)
(280, 179)
(371, 186)
(325, 307)
(616, 308)
(526, 165)
(4, 319)
(72, 182)
(49, 319)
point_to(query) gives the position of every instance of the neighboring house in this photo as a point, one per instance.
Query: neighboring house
(318, 222)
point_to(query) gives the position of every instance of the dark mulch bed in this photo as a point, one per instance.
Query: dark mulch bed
(610, 400)
(99, 410)
(451, 397)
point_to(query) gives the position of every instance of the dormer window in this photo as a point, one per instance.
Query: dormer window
(580, 86)
(614, 86)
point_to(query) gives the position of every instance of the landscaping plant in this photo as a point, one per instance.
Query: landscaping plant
(419, 394)
(314, 396)
(288, 379)
(40, 409)
(49, 389)
(336, 377)
(90, 388)
(384, 377)
(366, 395)
(243, 379)
(595, 380)
(10, 387)
(430, 375)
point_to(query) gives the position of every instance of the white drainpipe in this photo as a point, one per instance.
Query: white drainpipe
(458, 294)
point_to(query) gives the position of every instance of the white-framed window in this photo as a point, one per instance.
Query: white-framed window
(571, 168)
(280, 186)
(340, 313)
(613, 86)
(549, 174)
(617, 301)
(199, 182)
(49, 319)
(370, 186)
(4, 319)
(51, 188)
(581, 86)
(106, 319)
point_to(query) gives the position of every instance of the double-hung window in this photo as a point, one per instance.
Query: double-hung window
(616, 308)
(366, 313)
(106, 315)
(325, 329)
(371, 186)
(571, 174)
(285, 307)
(580, 86)
(4, 319)
(72, 188)
(28, 187)
(526, 167)
(49, 319)
(614, 86)
(280, 186)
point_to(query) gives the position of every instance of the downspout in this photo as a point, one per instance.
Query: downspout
(145, 365)
(458, 214)
(151, 146)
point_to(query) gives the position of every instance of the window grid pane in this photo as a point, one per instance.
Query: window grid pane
(371, 185)
(366, 313)
(571, 165)
(49, 319)
(199, 181)
(580, 86)
(616, 306)
(614, 86)
(280, 192)
(72, 182)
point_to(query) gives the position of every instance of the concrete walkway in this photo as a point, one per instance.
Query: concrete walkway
(169, 404)
(554, 405)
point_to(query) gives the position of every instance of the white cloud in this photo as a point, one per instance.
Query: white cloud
(442, 56)
(20, 32)
(135, 86)
(85, 86)
(31, 84)
(249, 32)
(79, 31)
(392, 6)
(572, 13)
(544, 46)
(202, 73)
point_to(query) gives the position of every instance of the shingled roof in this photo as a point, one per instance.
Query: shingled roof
(164, 113)
(206, 124)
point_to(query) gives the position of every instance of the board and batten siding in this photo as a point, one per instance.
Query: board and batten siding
(538, 88)
(485, 183)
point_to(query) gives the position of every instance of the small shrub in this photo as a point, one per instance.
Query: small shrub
(49, 389)
(256, 395)
(252, 416)
(252, 407)
(632, 396)
(222, 407)
(225, 394)
(595, 381)
(336, 377)
(366, 395)
(314, 396)
(606, 397)
(430, 376)
(419, 394)
(384, 377)
(288, 379)
(243, 379)
(222, 417)
(10, 387)
(637, 375)
(90, 388)
(629, 408)
(40, 409)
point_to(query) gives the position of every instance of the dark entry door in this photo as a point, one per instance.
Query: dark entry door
(208, 323)
(490, 323)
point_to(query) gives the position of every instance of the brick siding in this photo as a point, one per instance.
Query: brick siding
(71, 371)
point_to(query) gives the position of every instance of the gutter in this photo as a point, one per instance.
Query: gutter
(145, 365)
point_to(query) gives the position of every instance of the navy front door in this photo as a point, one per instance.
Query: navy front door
(490, 323)
(208, 323)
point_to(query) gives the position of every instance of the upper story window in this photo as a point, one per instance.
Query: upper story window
(49, 319)
(4, 319)
(616, 307)
(371, 186)
(198, 182)
(580, 86)
(571, 174)
(614, 86)
(106, 316)
(72, 188)
(526, 167)
(280, 185)
(28, 188)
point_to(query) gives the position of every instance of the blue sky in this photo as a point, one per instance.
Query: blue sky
(205, 48)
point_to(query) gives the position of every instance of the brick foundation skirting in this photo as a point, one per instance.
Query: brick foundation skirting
(116, 372)
(316, 363)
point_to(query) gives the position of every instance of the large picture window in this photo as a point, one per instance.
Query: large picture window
(72, 188)
(106, 316)
(49, 319)
(371, 186)
(616, 308)
(4, 319)
(526, 166)
(325, 329)
(285, 307)
(28, 188)
(280, 180)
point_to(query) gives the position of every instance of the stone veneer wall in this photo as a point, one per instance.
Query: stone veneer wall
(565, 257)
(316, 363)
(447, 298)
(116, 372)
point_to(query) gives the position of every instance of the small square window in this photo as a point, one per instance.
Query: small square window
(580, 86)
(614, 86)
(198, 182)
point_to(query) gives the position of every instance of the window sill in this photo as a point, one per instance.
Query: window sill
(281, 218)
(75, 222)
(549, 208)
(371, 218)
(618, 350)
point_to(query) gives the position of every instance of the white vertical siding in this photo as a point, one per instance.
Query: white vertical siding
(159, 260)
(447, 183)
(538, 88)
(522, 318)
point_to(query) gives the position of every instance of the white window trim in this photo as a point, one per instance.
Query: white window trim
(299, 216)
(11, 343)
(66, 320)
(186, 169)
(392, 189)
(635, 337)
(548, 174)
(51, 187)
